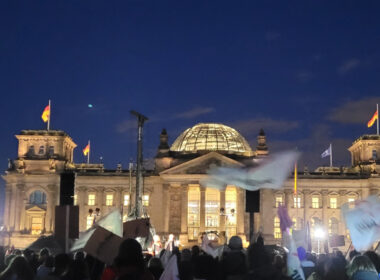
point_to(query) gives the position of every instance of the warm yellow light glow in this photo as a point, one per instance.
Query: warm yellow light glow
(109, 199)
(211, 137)
(91, 199)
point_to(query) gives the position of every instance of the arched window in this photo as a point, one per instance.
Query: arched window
(41, 150)
(333, 226)
(37, 198)
(277, 229)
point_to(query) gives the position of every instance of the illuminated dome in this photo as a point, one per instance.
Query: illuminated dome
(211, 137)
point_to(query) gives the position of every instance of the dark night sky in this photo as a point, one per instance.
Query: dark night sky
(306, 71)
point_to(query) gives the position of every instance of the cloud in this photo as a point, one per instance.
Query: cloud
(348, 66)
(272, 36)
(126, 125)
(304, 76)
(354, 112)
(195, 112)
(253, 126)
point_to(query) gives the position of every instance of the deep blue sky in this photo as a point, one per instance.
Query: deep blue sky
(306, 71)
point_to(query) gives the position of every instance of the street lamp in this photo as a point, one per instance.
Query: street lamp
(320, 234)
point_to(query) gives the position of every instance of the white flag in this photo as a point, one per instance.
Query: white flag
(326, 153)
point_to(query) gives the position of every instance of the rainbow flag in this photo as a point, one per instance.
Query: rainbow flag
(46, 114)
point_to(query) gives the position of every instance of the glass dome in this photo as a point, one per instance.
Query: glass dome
(211, 137)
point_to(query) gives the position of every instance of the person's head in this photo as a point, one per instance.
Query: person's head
(335, 269)
(20, 266)
(185, 255)
(374, 259)
(235, 243)
(171, 237)
(155, 263)
(278, 262)
(204, 267)
(79, 256)
(195, 251)
(49, 261)
(353, 253)
(130, 254)
(44, 253)
(360, 263)
(61, 264)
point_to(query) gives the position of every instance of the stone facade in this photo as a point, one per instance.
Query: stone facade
(173, 197)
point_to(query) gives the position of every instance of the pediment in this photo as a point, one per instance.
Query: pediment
(35, 209)
(202, 164)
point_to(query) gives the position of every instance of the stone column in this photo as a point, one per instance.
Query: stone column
(8, 197)
(306, 203)
(184, 204)
(240, 205)
(50, 210)
(342, 198)
(24, 201)
(222, 225)
(289, 199)
(100, 199)
(202, 213)
(165, 206)
(81, 198)
(325, 205)
(117, 201)
(17, 207)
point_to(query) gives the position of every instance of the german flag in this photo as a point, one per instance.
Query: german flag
(373, 119)
(86, 150)
(46, 114)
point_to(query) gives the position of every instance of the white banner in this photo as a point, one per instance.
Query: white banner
(362, 218)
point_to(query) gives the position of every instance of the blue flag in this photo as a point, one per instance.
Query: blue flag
(326, 153)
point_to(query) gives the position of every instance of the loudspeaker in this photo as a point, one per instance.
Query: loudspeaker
(67, 189)
(252, 201)
(66, 216)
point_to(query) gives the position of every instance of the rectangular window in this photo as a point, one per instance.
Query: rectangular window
(41, 151)
(333, 202)
(91, 199)
(351, 201)
(145, 200)
(297, 202)
(109, 199)
(51, 151)
(315, 202)
(193, 209)
(212, 211)
(75, 199)
(36, 225)
(126, 200)
(277, 229)
(278, 201)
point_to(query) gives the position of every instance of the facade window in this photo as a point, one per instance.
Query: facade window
(145, 200)
(193, 212)
(91, 199)
(37, 198)
(75, 199)
(126, 200)
(41, 150)
(315, 202)
(333, 226)
(109, 199)
(31, 150)
(333, 202)
(374, 154)
(90, 221)
(279, 200)
(51, 151)
(212, 208)
(297, 201)
(277, 229)
(297, 223)
(36, 225)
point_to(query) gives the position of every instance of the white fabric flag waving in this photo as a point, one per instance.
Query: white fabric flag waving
(326, 153)
(363, 221)
(270, 174)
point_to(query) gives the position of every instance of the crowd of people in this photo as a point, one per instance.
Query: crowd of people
(256, 262)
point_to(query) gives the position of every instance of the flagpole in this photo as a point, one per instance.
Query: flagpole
(88, 154)
(48, 122)
(377, 110)
(330, 155)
